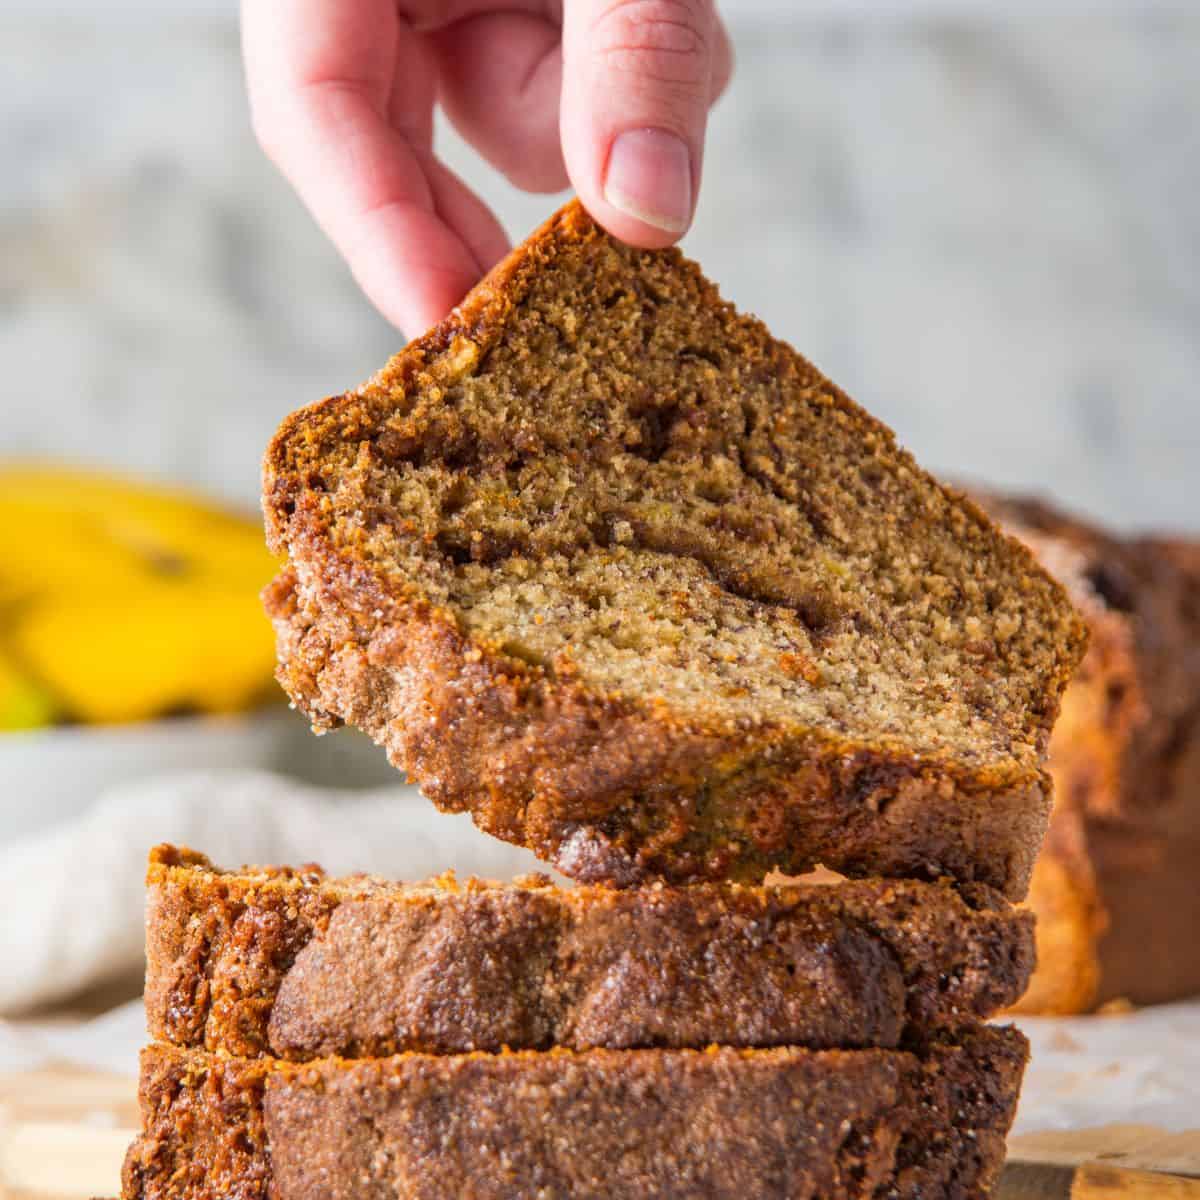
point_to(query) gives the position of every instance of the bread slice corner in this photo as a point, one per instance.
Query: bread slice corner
(603, 563)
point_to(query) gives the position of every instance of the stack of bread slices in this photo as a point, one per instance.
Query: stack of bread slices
(605, 565)
(353, 1038)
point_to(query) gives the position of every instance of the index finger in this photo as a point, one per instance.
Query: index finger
(342, 100)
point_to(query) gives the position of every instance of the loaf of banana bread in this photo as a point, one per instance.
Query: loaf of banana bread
(777, 1124)
(1117, 889)
(601, 562)
(296, 965)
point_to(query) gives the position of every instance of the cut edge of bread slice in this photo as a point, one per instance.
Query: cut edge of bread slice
(537, 729)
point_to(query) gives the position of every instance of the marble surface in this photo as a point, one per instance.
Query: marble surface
(988, 232)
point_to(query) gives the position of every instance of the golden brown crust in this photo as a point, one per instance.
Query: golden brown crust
(299, 966)
(609, 787)
(1126, 744)
(1070, 921)
(609, 795)
(1115, 891)
(783, 1123)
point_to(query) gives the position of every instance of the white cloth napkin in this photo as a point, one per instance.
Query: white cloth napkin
(72, 916)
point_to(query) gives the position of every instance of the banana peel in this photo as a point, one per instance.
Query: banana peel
(123, 602)
(58, 526)
(24, 704)
(153, 651)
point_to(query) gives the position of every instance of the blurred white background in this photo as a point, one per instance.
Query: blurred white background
(982, 218)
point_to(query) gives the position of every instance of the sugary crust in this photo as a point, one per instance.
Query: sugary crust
(1070, 921)
(299, 966)
(1115, 891)
(1127, 742)
(606, 787)
(783, 1123)
(607, 794)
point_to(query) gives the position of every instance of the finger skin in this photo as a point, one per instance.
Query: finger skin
(500, 76)
(342, 97)
(636, 65)
(462, 210)
(723, 62)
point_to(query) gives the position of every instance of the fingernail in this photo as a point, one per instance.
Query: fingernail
(650, 177)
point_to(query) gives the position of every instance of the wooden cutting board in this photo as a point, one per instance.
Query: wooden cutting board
(63, 1134)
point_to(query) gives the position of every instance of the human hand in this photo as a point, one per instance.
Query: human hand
(611, 96)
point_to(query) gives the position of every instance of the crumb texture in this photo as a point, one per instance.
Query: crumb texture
(297, 965)
(601, 487)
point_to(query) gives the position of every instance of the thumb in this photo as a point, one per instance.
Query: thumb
(638, 77)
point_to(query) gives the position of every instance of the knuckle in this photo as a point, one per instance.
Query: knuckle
(664, 41)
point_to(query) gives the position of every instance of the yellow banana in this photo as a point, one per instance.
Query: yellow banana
(126, 601)
(23, 704)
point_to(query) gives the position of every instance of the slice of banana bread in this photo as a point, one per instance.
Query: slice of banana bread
(297, 965)
(781, 1124)
(1115, 890)
(603, 563)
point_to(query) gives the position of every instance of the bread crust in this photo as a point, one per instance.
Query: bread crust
(608, 787)
(296, 965)
(1115, 890)
(722, 1123)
